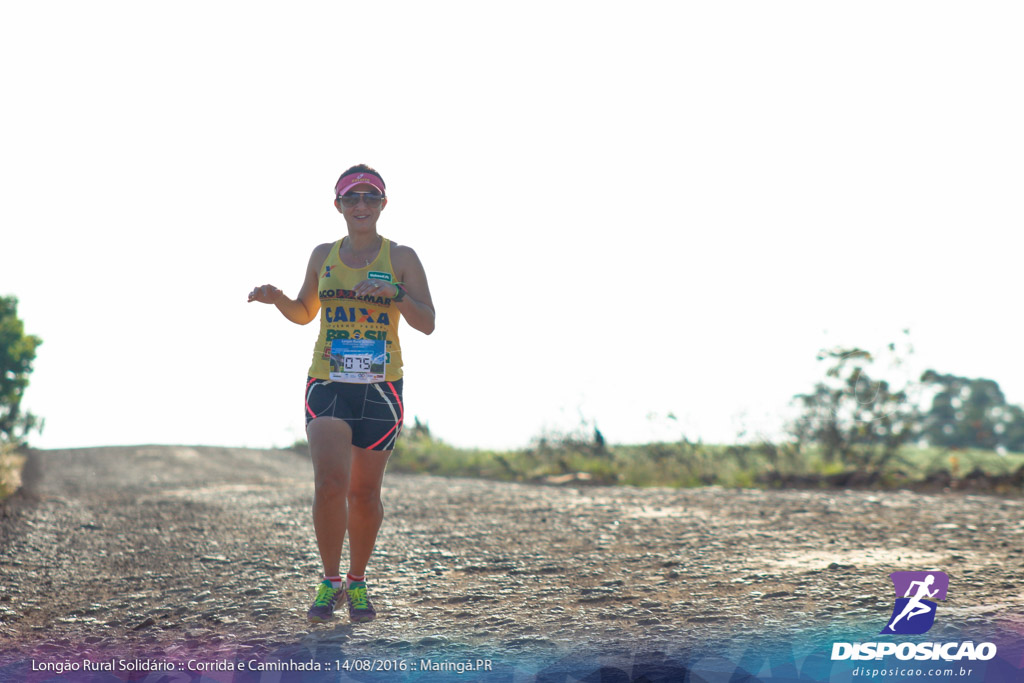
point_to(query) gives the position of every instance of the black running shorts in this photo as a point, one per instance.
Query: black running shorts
(375, 412)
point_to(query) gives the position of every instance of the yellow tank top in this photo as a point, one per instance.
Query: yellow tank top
(358, 340)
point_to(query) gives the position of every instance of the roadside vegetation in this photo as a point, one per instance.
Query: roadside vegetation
(574, 459)
(17, 352)
(582, 458)
(860, 426)
(11, 464)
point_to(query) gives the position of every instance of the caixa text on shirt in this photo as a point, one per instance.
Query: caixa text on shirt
(341, 314)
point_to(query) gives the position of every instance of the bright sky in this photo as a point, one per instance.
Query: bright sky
(624, 211)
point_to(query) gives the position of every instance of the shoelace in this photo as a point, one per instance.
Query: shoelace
(357, 596)
(325, 595)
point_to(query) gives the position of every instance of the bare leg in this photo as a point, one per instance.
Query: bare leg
(366, 512)
(330, 447)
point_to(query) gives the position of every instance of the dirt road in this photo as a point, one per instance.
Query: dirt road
(160, 553)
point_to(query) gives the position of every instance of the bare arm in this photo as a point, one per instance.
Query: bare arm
(306, 305)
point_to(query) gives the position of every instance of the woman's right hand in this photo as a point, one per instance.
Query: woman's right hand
(267, 294)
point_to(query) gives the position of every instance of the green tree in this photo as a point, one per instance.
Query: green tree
(855, 419)
(1013, 436)
(971, 413)
(17, 352)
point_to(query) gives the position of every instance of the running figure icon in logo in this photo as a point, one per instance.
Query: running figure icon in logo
(915, 606)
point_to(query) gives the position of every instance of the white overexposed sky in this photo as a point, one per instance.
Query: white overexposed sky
(624, 211)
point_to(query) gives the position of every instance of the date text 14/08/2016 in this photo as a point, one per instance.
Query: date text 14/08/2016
(460, 667)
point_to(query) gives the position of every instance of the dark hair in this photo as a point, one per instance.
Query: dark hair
(361, 168)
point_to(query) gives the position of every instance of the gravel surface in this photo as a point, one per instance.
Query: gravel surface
(160, 551)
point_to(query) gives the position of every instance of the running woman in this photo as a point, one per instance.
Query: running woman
(914, 606)
(361, 285)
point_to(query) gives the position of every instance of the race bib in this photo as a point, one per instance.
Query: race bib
(358, 361)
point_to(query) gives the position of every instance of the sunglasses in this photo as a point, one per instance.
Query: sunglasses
(350, 199)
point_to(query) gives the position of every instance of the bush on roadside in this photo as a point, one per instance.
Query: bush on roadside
(17, 352)
(11, 463)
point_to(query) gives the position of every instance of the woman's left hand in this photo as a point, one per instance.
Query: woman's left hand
(376, 288)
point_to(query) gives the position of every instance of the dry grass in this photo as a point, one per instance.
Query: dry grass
(11, 463)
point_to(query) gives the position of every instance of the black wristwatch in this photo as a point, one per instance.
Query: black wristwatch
(401, 293)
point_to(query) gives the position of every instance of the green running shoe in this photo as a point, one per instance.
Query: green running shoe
(360, 609)
(322, 610)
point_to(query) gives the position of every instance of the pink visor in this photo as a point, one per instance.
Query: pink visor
(349, 181)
